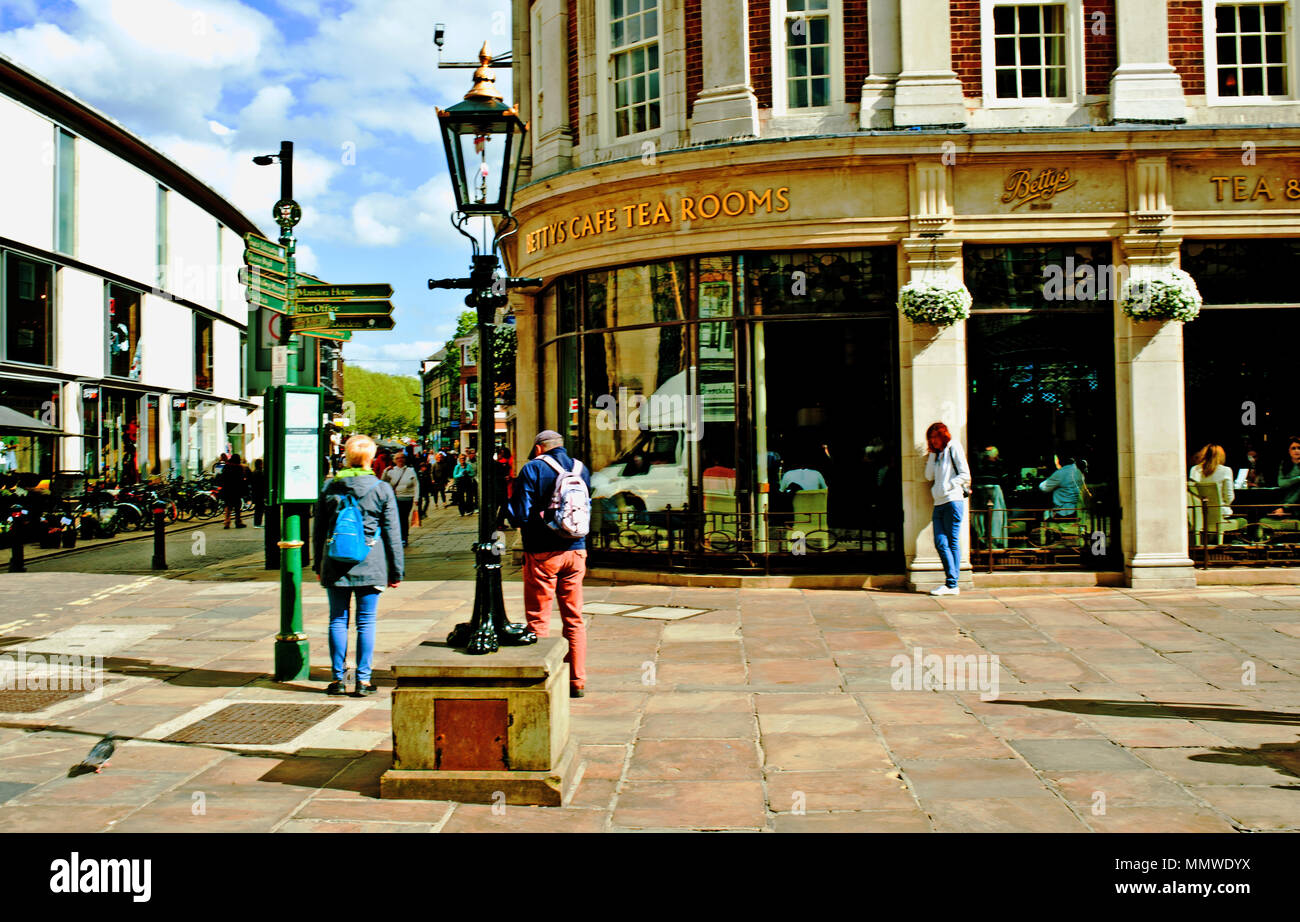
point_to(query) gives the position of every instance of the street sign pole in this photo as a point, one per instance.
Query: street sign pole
(292, 656)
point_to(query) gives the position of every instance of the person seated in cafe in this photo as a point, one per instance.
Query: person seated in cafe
(1066, 485)
(1288, 476)
(804, 477)
(1208, 467)
(718, 478)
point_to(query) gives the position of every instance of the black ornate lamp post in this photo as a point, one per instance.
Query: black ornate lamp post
(484, 141)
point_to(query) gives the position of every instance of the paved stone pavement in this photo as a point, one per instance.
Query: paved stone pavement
(769, 710)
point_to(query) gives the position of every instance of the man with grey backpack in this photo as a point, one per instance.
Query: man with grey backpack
(551, 507)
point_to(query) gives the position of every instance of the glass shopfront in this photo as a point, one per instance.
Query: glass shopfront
(121, 432)
(90, 426)
(204, 437)
(31, 455)
(1239, 398)
(1041, 372)
(739, 406)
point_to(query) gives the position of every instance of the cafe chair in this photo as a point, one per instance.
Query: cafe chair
(810, 518)
(721, 524)
(1206, 513)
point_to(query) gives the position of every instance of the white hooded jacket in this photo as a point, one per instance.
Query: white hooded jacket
(950, 473)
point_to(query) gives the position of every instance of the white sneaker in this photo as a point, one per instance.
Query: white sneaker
(944, 590)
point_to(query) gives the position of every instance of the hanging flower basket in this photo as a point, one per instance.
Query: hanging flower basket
(1168, 295)
(940, 303)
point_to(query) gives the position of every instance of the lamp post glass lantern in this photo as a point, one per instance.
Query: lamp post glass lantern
(484, 141)
(483, 138)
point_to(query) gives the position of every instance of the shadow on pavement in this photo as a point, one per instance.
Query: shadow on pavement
(1165, 710)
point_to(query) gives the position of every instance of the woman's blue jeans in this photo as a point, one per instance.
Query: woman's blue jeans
(367, 604)
(947, 538)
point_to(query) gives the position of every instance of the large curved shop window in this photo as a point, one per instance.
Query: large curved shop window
(1041, 369)
(740, 405)
(1240, 391)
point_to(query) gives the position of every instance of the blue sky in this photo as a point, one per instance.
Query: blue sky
(353, 83)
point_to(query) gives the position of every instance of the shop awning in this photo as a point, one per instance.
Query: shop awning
(14, 423)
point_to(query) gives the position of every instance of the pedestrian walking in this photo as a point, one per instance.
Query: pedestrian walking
(358, 554)
(442, 477)
(234, 488)
(425, 472)
(257, 490)
(406, 485)
(466, 485)
(552, 509)
(946, 467)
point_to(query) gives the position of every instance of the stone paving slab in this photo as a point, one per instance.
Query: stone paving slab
(765, 710)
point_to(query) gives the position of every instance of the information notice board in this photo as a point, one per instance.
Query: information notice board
(298, 456)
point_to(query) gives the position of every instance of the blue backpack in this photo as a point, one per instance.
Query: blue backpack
(348, 544)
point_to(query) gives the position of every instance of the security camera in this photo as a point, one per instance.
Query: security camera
(264, 160)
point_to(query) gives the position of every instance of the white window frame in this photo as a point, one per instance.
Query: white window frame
(605, 77)
(1210, 57)
(1074, 74)
(780, 98)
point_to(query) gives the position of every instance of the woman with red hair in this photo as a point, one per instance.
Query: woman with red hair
(945, 465)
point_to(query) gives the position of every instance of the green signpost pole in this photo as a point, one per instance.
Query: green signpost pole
(292, 656)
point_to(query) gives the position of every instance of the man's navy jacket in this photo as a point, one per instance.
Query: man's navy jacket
(531, 504)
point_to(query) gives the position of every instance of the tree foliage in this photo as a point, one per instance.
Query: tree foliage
(387, 406)
(504, 346)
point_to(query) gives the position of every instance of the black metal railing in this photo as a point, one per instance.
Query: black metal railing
(1037, 539)
(743, 540)
(1243, 535)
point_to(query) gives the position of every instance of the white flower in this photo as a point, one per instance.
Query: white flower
(1167, 294)
(939, 302)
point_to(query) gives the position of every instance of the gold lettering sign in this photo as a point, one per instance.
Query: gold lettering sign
(690, 209)
(1240, 188)
(1023, 187)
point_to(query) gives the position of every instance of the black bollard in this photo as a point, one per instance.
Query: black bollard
(17, 563)
(271, 536)
(159, 538)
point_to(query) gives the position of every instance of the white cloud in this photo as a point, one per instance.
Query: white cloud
(110, 51)
(394, 358)
(306, 260)
(376, 219)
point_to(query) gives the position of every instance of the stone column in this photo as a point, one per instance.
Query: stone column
(1150, 410)
(1145, 87)
(928, 91)
(884, 58)
(932, 372)
(552, 135)
(726, 106)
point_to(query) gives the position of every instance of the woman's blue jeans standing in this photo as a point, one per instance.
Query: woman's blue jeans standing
(947, 538)
(367, 604)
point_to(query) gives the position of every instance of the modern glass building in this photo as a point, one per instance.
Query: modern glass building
(121, 315)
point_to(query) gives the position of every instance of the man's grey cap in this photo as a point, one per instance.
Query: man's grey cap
(547, 435)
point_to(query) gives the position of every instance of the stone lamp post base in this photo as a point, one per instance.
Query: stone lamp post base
(479, 729)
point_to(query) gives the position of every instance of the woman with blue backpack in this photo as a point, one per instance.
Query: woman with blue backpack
(358, 544)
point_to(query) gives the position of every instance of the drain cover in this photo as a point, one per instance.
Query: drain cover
(22, 701)
(662, 612)
(263, 724)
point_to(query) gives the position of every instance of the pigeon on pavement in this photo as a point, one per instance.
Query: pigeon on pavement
(97, 758)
